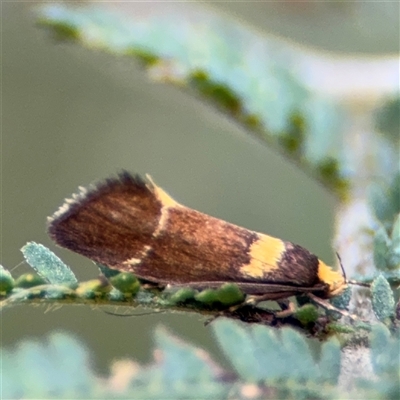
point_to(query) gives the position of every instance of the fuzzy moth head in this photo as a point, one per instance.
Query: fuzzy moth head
(335, 280)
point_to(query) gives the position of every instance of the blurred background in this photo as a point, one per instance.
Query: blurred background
(71, 116)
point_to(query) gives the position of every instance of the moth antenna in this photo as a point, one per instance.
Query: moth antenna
(352, 282)
(357, 283)
(341, 266)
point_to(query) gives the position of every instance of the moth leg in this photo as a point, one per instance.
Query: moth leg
(328, 306)
(284, 304)
(288, 308)
(253, 300)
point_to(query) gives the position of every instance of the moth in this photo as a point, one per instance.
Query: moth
(128, 223)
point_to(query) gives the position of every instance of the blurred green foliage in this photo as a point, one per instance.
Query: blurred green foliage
(388, 119)
(264, 364)
(255, 81)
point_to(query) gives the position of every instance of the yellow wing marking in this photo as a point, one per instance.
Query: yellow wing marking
(265, 254)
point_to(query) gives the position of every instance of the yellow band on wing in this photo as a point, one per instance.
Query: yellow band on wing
(265, 254)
